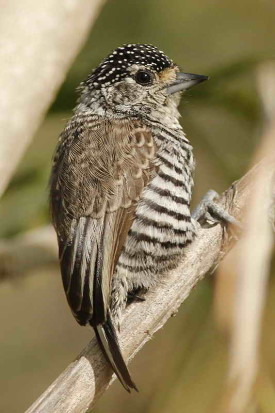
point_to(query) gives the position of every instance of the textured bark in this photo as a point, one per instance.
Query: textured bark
(85, 379)
(38, 41)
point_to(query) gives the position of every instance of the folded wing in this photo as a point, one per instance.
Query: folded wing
(98, 176)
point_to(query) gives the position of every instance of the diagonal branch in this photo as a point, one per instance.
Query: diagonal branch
(84, 380)
(38, 42)
(246, 271)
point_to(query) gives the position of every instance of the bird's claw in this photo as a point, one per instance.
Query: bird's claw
(210, 212)
(134, 297)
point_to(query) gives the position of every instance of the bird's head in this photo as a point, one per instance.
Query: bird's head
(138, 78)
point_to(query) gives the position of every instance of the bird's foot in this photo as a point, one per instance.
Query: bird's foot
(135, 296)
(210, 213)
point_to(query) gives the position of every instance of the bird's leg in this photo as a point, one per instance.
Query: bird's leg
(210, 211)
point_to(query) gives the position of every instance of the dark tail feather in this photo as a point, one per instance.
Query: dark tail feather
(108, 341)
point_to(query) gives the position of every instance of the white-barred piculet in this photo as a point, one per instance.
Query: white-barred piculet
(121, 187)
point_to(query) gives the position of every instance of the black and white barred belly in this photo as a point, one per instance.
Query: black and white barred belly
(162, 226)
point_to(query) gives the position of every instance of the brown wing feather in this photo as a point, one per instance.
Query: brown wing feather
(95, 185)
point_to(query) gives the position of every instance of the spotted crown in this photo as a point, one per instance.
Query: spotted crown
(114, 67)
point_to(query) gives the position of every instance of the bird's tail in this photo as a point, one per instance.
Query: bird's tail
(108, 341)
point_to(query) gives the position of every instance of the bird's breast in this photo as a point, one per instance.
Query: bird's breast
(162, 226)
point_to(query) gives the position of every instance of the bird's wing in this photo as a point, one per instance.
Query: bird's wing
(96, 182)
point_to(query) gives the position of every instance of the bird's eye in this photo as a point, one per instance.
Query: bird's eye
(144, 77)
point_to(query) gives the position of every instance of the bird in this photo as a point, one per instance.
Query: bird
(120, 189)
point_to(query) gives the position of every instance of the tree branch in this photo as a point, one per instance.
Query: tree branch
(246, 270)
(39, 40)
(85, 379)
(27, 251)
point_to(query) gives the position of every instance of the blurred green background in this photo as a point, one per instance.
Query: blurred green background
(183, 368)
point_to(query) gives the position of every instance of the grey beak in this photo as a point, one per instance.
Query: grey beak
(184, 81)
